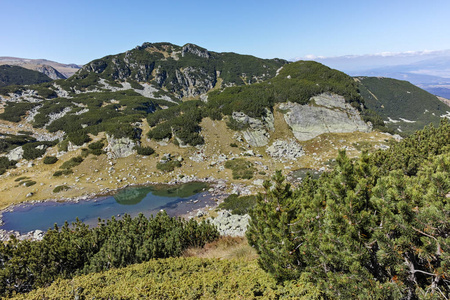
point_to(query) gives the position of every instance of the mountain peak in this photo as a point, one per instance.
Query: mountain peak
(196, 50)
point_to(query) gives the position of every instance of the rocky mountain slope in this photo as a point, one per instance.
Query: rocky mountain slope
(186, 71)
(167, 113)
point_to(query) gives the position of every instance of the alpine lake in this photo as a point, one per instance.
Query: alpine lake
(148, 200)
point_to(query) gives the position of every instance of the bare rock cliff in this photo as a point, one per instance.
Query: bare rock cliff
(327, 113)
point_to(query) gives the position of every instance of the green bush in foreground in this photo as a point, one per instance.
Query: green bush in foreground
(178, 278)
(374, 228)
(97, 152)
(70, 250)
(21, 178)
(6, 164)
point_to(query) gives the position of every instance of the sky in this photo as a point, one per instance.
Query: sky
(79, 31)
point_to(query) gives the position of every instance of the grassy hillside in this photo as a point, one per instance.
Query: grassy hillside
(408, 107)
(15, 75)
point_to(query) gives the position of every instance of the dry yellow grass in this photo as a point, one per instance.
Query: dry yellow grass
(92, 176)
(225, 247)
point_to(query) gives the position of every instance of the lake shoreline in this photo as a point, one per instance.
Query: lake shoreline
(216, 193)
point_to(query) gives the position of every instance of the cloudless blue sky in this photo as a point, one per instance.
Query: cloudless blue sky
(79, 31)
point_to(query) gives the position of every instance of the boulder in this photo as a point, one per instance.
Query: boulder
(258, 131)
(15, 154)
(229, 224)
(286, 150)
(121, 147)
(326, 113)
(38, 235)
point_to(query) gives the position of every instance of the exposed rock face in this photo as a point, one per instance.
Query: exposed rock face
(196, 50)
(117, 148)
(187, 71)
(285, 150)
(258, 132)
(56, 116)
(50, 72)
(195, 81)
(232, 225)
(15, 154)
(326, 113)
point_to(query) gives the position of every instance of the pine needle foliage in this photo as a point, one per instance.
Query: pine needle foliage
(77, 249)
(177, 278)
(376, 227)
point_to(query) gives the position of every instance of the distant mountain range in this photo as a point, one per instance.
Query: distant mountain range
(429, 70)
(52, 69)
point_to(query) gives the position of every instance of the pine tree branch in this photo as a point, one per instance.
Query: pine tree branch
(441, 293)
(423, 272)
(438, 251)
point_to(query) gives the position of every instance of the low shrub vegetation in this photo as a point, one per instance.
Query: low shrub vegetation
(168, 166)
(241, 168)
(6, 164)
(238, 205)
(144, 150)
(378, 225)
(28, 183)
(96, 145)
(178, 278)
(61, 188)
(72, 250)
(62, 172)
(50, 160)
(73, 162)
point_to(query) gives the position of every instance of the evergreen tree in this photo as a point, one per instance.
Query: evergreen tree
(377, 227)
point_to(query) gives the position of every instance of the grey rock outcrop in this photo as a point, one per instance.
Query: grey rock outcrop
(231, 225)
(195, 81)
(50, 72)
(289, 150)
(15, 154)
(38, 235)
(258, 131)
(56, 116)
(118, 148)
(196, 50)
(327, 113)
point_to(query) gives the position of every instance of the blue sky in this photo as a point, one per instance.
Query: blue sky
(80, 31)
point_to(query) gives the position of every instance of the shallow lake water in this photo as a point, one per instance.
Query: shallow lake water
(176, 200)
